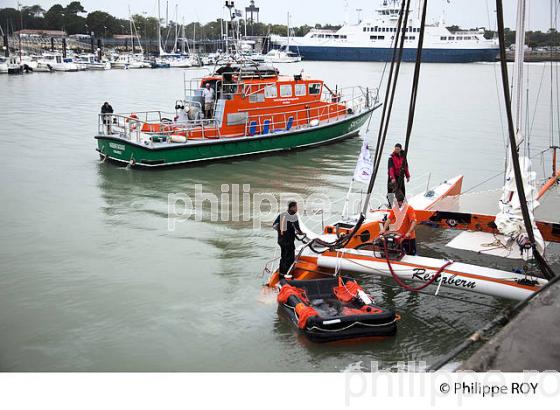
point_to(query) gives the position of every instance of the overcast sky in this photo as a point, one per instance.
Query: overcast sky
(465, 13)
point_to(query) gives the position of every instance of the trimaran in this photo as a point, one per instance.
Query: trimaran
(355, 245)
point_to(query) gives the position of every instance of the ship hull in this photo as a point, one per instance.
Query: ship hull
(429, 55)
(126, 152)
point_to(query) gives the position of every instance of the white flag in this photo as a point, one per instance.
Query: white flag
(364, 167)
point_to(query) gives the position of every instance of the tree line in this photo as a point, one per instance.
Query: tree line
(74, 19)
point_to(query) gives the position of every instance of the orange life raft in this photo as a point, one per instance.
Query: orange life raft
(334, 309)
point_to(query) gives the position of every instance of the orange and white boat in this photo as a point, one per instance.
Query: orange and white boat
(255, 110)
(365, 253)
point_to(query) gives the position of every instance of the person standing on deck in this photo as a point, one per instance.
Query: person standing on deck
(287, 226)
(397, 170)
(208, 94)
(107, 110)
(404, 221)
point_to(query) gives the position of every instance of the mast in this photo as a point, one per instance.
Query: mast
(159, 29)
(183, 37)
(517, 100)
(288, 41)
(513, 145)
(20, 28)
(176, 28)
(130, 25)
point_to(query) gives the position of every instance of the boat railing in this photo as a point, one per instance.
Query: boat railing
(153, 126)
(332, 109)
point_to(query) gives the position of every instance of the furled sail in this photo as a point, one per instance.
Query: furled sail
(510, 218)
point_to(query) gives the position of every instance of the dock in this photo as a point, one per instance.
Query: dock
(528, 342)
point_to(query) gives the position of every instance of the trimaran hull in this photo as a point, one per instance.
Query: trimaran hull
(460, 276)
(419, 269)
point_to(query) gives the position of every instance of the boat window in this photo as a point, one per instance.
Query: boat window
(315, 88)
(451, 38)
(285, 90)
(381, 37)
(365, 29)
(443, 38)
(300, 89)
(270, 91)
(343, 36)
(256, 98)
(466, 38)
(459, 38)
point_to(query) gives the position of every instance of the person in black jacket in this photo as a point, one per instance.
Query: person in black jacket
(107, 110)
(227, 72)
(287, 226)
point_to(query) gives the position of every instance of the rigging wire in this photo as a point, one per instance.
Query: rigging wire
(414, 91)
(543, 265)
(385, 116)
(551, 81)
(490, 25)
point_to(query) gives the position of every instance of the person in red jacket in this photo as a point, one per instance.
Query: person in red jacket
(397, 170)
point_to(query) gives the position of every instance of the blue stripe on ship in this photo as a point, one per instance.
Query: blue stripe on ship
(429, 55)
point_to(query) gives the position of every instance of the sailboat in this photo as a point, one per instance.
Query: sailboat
(358, 246)
(282, 55)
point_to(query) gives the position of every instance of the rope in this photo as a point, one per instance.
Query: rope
(406, 286)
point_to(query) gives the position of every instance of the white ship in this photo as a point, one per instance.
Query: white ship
(373, 39)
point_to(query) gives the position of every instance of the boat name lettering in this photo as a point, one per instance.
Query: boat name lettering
(120, 147)
(420, 274)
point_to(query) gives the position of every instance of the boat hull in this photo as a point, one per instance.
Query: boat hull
(429, 55)
(126, 152)
(461, 276)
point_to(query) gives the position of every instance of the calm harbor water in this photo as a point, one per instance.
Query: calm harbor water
(92, 279)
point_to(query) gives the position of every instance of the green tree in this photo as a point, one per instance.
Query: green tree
(74, 8)
(54, 17)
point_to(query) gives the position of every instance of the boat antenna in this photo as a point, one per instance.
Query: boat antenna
(543, 265)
